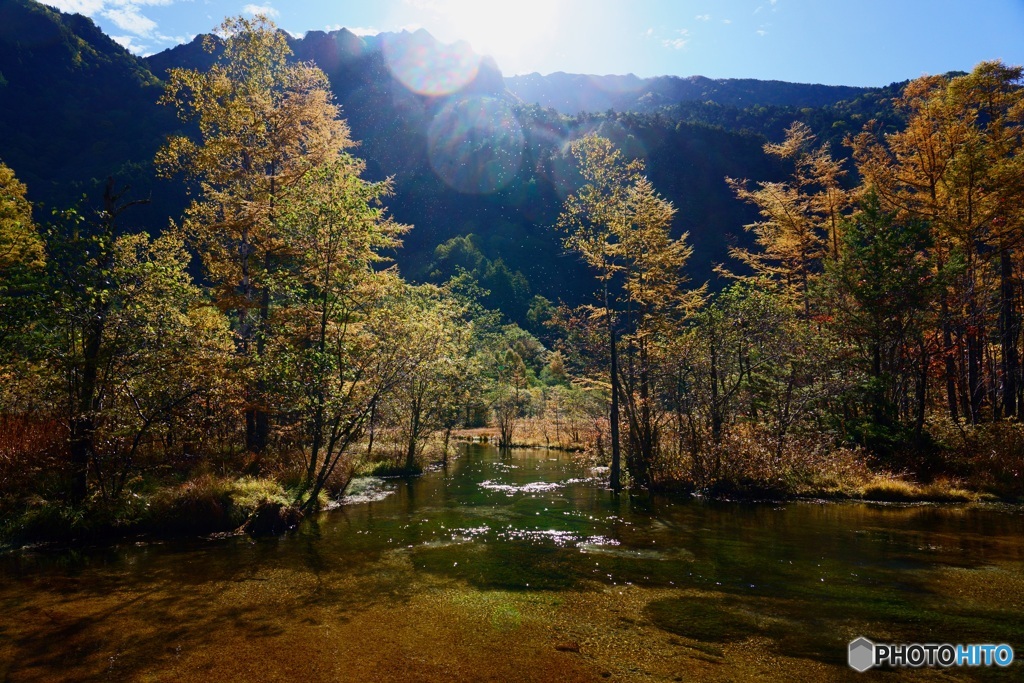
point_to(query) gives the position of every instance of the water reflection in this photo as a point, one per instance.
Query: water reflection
(524, 541)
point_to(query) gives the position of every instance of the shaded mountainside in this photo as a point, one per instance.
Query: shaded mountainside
(74, 105)
(469, 154)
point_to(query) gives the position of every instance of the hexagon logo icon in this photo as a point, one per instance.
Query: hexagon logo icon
(862, 654)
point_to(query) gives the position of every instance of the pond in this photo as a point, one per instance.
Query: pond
(521, 566)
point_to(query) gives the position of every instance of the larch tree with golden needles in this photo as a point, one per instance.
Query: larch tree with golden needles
(264, 124)
(802, 217)
(621, 227)
(958, 166)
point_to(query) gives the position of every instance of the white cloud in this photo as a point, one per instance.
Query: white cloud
(676, 44)
(125, 14)
(265, 10)
(124, 41)
(173, 39)
(86, 7)
(365, 30)
(128, 18)
(649, 32)
(703, 17)
(128, 43)
(762, 32)
(726, 21)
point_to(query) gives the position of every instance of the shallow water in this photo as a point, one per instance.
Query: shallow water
(522, 566)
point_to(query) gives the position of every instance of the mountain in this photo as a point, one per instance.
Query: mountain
(471, 153)
(573, 93)
(74, 105)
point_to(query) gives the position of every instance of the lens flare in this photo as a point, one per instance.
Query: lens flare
(476, 145)
(427, 66)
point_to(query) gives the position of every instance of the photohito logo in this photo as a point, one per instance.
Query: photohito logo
(864, 654)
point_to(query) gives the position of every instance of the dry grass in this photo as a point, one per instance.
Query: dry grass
(533, 433)
(29, 448)
(989, 457)
(889, 488)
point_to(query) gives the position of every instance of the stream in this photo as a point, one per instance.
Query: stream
(522, 566)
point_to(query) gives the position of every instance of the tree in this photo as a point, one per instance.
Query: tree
(264, 124)
(21, 256)
(19, 241)
(428, 396)
(620, 226)
(331, 299)
(802, 217)
(878, 294)
(957, 166)
(750, 373)
(509, 393)
(124, 335)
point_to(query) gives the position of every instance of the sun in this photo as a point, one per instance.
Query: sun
(507, 31)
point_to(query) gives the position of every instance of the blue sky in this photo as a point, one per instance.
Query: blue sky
(847, 42)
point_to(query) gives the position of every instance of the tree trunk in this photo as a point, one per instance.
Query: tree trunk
(257, 441)
(616, 479)
(716, 414)
(1009, 331)
(921, 392)
(414, 432)
(947, 350)
(82, 429)
(975, 386)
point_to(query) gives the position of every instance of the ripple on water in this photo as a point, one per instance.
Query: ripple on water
(532, 487)
(615, 550)
(512, 489)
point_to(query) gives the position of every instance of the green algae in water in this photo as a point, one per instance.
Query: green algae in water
(705, 619)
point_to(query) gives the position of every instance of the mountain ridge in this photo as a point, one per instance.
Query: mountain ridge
(469, 156)
(570, 93)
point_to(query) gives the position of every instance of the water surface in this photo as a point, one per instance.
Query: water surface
(521, 566)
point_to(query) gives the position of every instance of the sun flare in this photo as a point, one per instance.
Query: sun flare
(501, 29)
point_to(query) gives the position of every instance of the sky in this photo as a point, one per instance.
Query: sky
(835, 42)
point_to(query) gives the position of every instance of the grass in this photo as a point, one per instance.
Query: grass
(389, 468)
(202, 504)
(887, 488)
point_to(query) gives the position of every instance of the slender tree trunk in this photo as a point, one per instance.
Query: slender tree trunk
(921, 392)
(82, 429)
(447, 439)
(1009, 329)
(83, 424)
(616, 479)
(877, 395)
(975, 386)
(414, 432)
(372, 429)
(716, 414)
(950, 360)
(261, 419)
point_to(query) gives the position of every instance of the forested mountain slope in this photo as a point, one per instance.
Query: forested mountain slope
(471, 153)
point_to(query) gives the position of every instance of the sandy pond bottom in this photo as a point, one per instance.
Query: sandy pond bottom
(520, 568)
